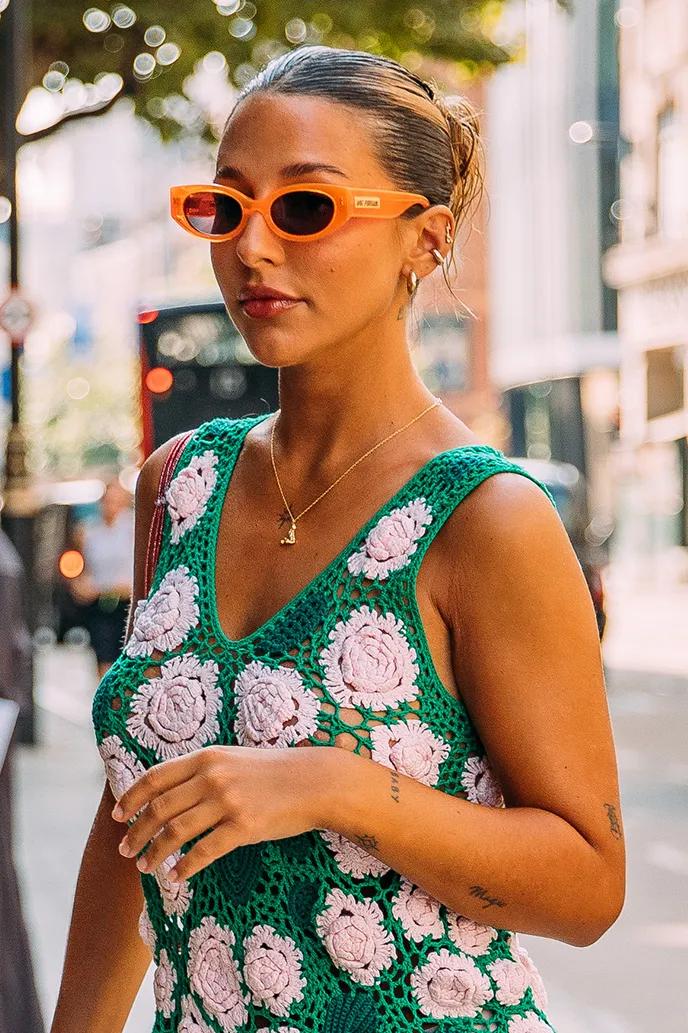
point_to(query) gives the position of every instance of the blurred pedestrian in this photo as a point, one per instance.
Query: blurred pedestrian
(19, 1008)
(107, 545)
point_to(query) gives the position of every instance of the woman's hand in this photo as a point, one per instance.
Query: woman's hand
(242, 794)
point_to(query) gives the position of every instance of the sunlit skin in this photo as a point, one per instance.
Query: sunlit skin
(506, 610)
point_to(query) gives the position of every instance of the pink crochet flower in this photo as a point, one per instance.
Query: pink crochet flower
(354, 936)
(121, 767)
(418, 912)
(450, 986)
(469, 936)
(480, 782)
(192, 1021)
(146, 930)
(214, 974)
(163, 985)
(411, 748)
(351, 858)
(274, 706)
(528, 1023)
(176, 896)
(511, 979)
(533, 976)
(188, 494)
(164, 620)
(177, 712)
(272, 969)
(392, 541)
(369, 662)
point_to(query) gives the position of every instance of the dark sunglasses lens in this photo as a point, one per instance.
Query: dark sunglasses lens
(212, 213)
(303, 212)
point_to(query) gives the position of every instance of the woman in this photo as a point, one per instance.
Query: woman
(106, 545)
(472, 793)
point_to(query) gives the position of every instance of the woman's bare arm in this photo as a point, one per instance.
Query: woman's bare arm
(526, 657)
(105, 959)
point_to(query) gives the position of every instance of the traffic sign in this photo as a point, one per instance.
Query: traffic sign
(16, 316)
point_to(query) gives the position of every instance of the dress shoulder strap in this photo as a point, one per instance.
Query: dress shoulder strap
(452, 476)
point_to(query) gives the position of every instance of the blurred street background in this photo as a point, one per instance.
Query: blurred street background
(568, 352)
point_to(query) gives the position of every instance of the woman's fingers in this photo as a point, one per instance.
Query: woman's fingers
(176, 833)
(223, 839)
(170, 807)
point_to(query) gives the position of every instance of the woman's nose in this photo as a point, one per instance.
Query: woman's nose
(257, 241)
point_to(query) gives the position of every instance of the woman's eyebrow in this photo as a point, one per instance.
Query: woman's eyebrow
(299, 168)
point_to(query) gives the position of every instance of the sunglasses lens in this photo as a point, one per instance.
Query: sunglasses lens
(303, 212)
(211, 213)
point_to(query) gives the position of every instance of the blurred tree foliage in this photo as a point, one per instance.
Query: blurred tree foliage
(249, 34)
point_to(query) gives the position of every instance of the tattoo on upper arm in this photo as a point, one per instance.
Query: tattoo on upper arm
(482, 894)
(395, 787)
(614, 825)
(367, 841)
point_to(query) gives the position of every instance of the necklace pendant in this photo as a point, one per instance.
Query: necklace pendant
(291, 537)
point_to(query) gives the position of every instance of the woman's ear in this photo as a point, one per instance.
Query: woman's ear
(429, 233)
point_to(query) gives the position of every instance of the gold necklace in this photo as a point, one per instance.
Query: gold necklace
(291, 537)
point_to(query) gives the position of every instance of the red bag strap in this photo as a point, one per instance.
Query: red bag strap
(158, 519)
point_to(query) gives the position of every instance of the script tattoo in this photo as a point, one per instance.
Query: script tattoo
(614, 825)
(395, 787)
(367, 842)
(481, 892)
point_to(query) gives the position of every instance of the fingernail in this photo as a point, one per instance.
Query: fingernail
(142, 864)
(117, 812)
(125, 849)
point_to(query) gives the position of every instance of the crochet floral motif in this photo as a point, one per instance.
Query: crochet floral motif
(369, 662)
(121, 767)
(163, 985)
(177, 712)
(392, 542)
(469, 936)
(274, 706)
(528, 1023)
(214, 974)
(163, 621)
(192, 1021)
(351, 858)
(272, 969)
(533, 976)
(511, 979)
(176, 896)
(411, 748)
(450, 986)
(418, 912)
(354, 936)
(480, 783)
(146, 931)
(188, 494)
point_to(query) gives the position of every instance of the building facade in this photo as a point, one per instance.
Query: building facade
(649, 269)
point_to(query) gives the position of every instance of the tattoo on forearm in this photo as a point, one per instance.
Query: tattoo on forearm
(367, 841)
(395, 787)
(614, 825)
(482, 894)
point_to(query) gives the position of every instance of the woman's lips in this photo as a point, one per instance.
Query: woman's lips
(260, 308)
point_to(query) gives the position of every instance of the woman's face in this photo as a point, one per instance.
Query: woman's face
(346, 281)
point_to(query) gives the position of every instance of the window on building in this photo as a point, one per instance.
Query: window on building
(672, 173)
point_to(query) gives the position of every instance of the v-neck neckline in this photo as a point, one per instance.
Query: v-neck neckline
(224, 486)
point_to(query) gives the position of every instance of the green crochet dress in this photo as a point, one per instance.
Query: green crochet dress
(310, 934)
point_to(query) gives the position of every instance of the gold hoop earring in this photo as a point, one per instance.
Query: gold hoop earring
(412, 282)
(447, 233)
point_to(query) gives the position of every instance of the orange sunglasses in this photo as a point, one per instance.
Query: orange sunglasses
(302, 211)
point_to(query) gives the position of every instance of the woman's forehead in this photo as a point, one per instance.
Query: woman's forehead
(278, 137)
